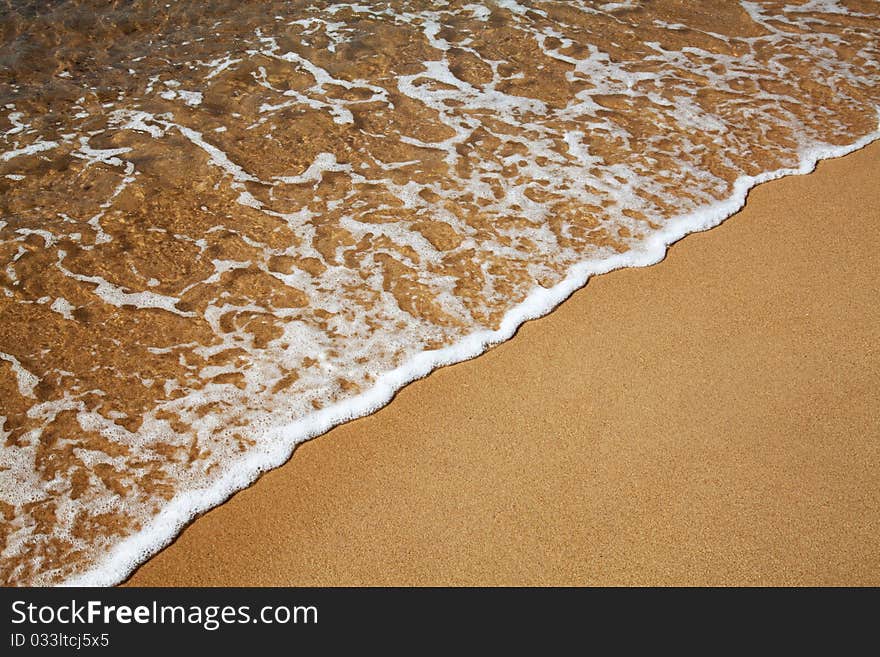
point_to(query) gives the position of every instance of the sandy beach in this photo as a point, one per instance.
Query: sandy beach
(227, 228)
(709, 420)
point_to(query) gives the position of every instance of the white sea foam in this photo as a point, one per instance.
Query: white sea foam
(26, 380)
(37, 147)
(277, 446)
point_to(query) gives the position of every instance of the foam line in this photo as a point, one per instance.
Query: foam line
(277, 446)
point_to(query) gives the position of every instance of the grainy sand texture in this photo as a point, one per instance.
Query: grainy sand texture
(710, 420)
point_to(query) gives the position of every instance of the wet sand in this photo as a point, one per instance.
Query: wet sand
(709, 420)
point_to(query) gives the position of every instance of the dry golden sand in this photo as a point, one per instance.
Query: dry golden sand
(710, 420)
